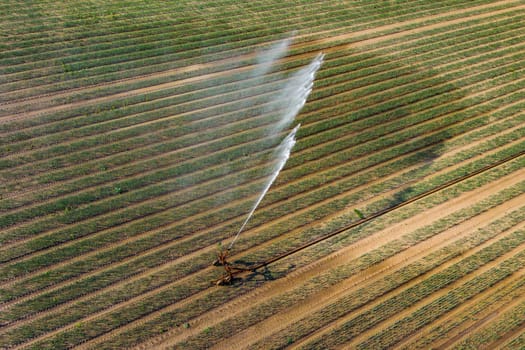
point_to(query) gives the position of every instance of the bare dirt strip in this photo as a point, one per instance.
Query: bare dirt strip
(468, 316)
(385, 323)
(493, 337)
(319, 301)
(506, 339)
(192, 255)
(46, 99)
(470, 96)
(341, 257)
(371, 39)
(326, 329)
(475, 325)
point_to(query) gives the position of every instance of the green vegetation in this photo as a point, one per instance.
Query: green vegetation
(134, 140)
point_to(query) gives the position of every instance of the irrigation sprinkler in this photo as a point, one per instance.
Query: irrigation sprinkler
(296, 91)
(230, 270)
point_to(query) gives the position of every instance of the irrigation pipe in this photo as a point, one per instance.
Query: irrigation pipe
(238, 270)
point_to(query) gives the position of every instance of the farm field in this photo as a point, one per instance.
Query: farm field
(134, 141)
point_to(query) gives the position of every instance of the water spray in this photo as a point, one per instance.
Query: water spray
(290, 99)
(294, 94)
(282, 153)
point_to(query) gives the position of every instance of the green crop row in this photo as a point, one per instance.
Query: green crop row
(105, 117)
(441, 199)
(447, 302)
(56, 162)
(338, 205)
(78, 311)
(330, 11)
(479, 310)
(123, 225)
(157, 37)
(517, 343)
(47, 22)
(269, 308)
(97, 223)
(161, 297)
(126, 21)
(510, 321)
(150, 28)
(430, 285)
(179, 110)
(211, 7)
(433, 14)
(136, 29)
(124, 67)
(148, 128)
(141, 227)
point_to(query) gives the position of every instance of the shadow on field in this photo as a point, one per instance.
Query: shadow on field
(263, 273)
(426, 159)
(402, 119)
